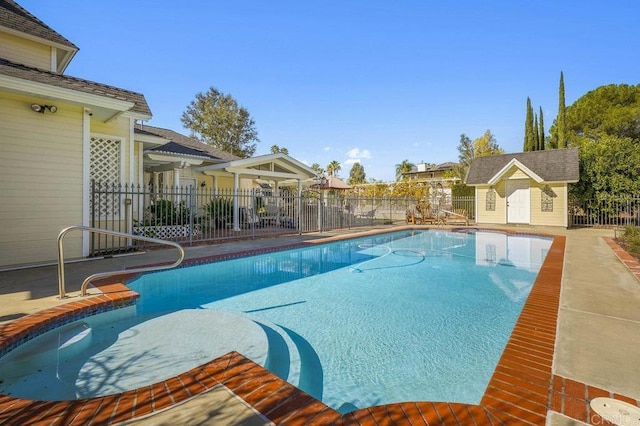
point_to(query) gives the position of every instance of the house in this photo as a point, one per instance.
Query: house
(59, 133)
(528, 188)
(439, 177)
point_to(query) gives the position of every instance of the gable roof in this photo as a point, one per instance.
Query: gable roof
(37, 75)
(556, 165)
(14, 17)
(186, 142)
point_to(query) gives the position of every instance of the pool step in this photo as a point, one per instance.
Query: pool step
(45, 351)
(283, 357)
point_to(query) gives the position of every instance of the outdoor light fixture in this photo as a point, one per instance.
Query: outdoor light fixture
(40, 108)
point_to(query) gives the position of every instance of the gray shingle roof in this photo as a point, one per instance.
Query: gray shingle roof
(556, 165)
(187, 142)
(13, 16)
(176, 148)
(24, 72)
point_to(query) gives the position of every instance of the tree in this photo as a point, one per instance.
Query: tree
(529, 144)
(483, 146)
(275, 149)
(608, 110)
(333, 168)
(217, 120)
(357, 175)
(609, 166)
(486, 145)
(541, 137)
(561, 135)
(536, 136)
(319, 170)
(405, 167)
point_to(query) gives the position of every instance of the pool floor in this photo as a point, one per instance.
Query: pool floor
(521, 391)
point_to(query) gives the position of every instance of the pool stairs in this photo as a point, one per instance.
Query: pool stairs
(46, 350)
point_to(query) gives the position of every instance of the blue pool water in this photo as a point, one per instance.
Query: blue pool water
(409, 316)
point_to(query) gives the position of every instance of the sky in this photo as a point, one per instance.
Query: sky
(370, 81)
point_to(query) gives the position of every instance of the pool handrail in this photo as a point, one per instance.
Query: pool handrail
(89, 279)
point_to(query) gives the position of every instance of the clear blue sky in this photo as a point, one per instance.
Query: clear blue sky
(374, 81)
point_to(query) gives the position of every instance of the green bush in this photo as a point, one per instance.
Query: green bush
(165, 212)
(631, 240)
(219, 212)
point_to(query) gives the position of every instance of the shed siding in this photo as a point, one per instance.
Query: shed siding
(557, 217)
(498, 216)
(27, 52)
(41, 172)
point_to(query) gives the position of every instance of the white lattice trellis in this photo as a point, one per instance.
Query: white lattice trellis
(105, 168)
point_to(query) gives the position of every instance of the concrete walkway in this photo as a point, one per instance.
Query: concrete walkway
(599, 318)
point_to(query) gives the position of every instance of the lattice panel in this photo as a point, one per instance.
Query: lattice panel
(104, 169)
(105, 160)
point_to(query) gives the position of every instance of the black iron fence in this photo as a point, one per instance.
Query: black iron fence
(197, 214)
(605, 213)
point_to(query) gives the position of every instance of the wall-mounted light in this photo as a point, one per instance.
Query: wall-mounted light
(40, 108)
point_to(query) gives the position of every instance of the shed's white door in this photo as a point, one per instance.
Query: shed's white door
(518, 201)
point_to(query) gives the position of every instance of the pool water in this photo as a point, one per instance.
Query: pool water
(409, 316)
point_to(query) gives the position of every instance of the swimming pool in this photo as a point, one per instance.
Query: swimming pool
(354, 323)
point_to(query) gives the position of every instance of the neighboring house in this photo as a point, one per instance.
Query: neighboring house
(57, 132)
(170, 159)
(528, 188)
(439, 177)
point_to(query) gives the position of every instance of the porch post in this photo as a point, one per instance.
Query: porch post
(236, 199)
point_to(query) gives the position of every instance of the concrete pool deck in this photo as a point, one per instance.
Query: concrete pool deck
(598, 325)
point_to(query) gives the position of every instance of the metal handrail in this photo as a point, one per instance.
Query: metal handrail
(85, 283)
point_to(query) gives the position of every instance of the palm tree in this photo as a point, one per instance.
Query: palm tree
(333, 168)
(405, 167)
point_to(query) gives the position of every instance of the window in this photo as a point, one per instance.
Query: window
(491, 200)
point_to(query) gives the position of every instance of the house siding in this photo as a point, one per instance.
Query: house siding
(41, 175)
(27, 52)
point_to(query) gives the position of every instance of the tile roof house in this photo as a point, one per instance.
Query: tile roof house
(525, 188)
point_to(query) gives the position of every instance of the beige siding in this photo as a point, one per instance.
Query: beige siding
(498, 215)
(118, 128)
(27, 52)
(557, 217)
(40, 180)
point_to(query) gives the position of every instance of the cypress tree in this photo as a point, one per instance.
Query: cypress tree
(536, 138)
(528, 129)
(541, 132)
(562, 116)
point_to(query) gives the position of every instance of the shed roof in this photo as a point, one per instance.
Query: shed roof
(557, 165)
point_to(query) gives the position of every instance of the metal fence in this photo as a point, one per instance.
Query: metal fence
(606, 213)
(197, 214)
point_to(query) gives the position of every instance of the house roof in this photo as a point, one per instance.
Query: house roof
(176, 148)
(186, 142)
(274, 167)
(36, 75)
(14, 17)
(557, 165)
(333, 183)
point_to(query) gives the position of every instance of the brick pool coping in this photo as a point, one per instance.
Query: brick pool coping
(522, 389)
